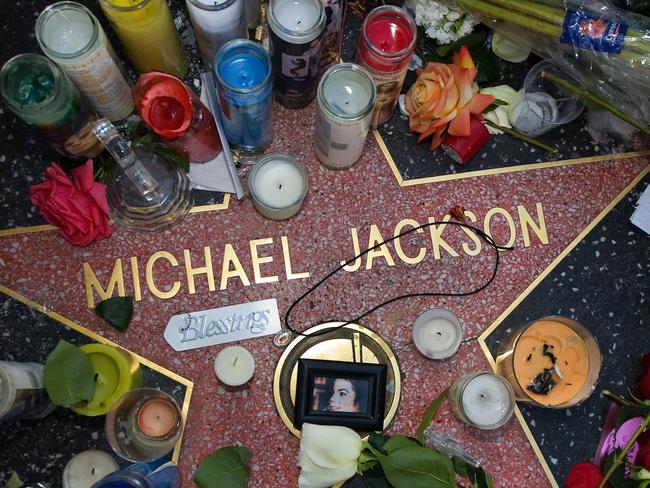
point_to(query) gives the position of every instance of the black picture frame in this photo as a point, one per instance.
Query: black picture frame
(368, 381)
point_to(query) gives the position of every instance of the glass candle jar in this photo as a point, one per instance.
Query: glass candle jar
(385, 47)
(178, 116)
(144, 425)
(148, 34)
(335, 13)
(278, 185)
(252, 9)
(346, 99)
(296, 29)
(38, 92)
(243, 73)
(482, 400)
(70, 35)
(22, 392)
(216, 23)
(553, 362)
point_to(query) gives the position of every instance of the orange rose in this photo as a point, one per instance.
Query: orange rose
(442, 98)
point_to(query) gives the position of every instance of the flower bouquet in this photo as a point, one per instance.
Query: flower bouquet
(623, 456)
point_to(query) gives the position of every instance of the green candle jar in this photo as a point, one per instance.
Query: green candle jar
(38, 92)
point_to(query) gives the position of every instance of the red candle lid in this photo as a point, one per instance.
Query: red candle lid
(390, 31)
(164, 104)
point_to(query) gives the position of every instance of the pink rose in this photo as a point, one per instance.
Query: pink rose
(78, 208)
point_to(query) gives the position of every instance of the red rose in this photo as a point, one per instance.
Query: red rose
(585, 475)
(643, 457)
(644, 386)
(79, 209)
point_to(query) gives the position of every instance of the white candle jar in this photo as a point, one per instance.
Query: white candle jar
(71, 36)
(215, 23)
(234, 365)
(346, 99)
(483, 400)
(437, 334)
(278, 185)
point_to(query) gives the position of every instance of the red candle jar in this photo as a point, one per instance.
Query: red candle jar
(385, 46)
(463, 149)
(178, 116)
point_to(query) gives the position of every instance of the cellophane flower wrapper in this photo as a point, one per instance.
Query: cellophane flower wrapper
(605, 49)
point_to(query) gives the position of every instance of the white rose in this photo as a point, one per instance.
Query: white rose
(500, 115)
(328, 455)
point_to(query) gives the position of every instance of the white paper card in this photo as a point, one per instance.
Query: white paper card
(641, 216)
(220, 325)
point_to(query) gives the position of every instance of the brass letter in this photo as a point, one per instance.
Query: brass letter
(258, 260)
(526, 220)
(191, 272)
(135, 273)
(287, 262)
(398, 245)
(436, 238)
(477, 242)
(230, 256)
(509, 220)
(357, 250)
(117, 278)
(375, 238)
(176, 286)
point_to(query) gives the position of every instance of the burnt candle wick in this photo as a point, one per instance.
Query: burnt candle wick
(280, 186)
(235, 361)
(92, 471)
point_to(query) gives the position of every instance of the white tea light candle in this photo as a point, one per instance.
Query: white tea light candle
(278, 185)
(234, 365)
(483, 400)
(86, 468)
(437, 334)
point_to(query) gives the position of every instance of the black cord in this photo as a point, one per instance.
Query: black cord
(478, 232)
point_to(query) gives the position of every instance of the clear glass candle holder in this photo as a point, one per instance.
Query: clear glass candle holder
(144, 425)
(483, 400)
(519, 349)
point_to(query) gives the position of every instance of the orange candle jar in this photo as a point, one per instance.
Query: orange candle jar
(553, 362)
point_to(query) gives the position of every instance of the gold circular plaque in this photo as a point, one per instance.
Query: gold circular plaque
(353, 343)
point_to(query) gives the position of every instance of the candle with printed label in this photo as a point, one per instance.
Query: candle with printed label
(278, 185)
(70, 35)
(483, 400)
(346, 99)
(437, 334)
(234, 366)
(87, 468)
(215, 23)
(147, 31)
(386, 43)
(335, 13)
(40, 93)
(243, 74)
(252, 9)
(22, 392)
(296, 29)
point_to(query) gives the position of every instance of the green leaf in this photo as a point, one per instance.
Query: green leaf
(167, 152)
(487, 65)
(477, 476)
(377, 440)
(418, 467)
(14, 481)
(618, 477)
(430, 414)
(69, 376)
(225, 468)
(117, 311)
(399, 442)
(375, 477)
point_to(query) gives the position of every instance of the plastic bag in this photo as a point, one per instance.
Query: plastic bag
(604, 48)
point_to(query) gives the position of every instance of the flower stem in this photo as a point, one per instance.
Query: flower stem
(623, 455)
(595, 99)
(521, 137)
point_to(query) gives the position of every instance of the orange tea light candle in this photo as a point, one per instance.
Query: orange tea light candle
(551, 362)
(158, 418)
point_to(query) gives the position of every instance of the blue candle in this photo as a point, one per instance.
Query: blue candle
(243, 73)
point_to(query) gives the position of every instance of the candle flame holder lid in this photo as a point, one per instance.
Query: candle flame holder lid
(150, 192)
(157, 92)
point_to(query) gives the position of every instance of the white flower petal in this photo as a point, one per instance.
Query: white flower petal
(314, 476)
(330, 446)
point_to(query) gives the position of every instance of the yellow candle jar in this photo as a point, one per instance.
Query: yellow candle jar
(116, 372)
(148, 34)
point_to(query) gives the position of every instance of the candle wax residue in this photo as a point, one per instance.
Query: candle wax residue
(243, 71)
(157, 417)
(167, 113)
(35, 88)
(531, 358)
(388, 35)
